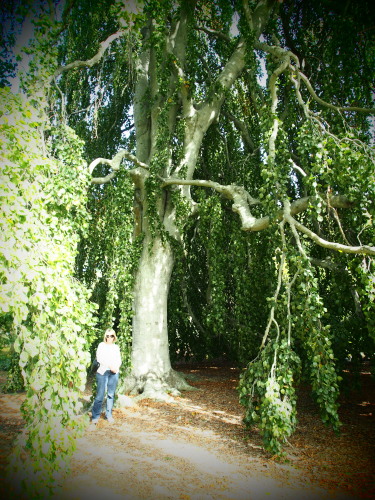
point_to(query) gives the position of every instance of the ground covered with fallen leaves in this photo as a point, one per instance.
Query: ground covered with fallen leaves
(196, 447)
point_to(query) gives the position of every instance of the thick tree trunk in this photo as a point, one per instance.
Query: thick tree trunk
(152, 374)
(150, 333)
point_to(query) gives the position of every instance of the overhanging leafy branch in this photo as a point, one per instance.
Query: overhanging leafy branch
(242, 201)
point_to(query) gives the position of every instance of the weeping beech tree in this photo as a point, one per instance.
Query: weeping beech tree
(242, 131)
(231, 187)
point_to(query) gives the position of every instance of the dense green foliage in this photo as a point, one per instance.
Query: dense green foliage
(191, 144)
(45, 192)
(106, 264)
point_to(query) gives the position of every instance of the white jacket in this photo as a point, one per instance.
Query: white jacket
(108, 355)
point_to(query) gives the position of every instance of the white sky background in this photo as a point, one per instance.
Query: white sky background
(24, 33)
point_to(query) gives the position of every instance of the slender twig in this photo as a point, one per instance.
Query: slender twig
(275, 296)
(217, 34)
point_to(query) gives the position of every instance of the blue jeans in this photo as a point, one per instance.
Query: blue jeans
(108, 382)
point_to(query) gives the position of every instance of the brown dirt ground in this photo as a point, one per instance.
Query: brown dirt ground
(197, 448)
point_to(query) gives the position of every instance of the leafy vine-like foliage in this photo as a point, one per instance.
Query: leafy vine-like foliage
(45, 192)
(111, 260)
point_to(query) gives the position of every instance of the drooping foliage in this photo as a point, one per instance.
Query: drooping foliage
(106, 264)
(48, 316)
(43, 193)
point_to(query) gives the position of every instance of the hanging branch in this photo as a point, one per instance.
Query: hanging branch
(327, 104)
(243, 200)
(284, 55)
(331, 245)
(288, 286)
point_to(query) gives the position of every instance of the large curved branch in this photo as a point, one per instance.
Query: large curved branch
(231, 70)
(115, 165)
(103, 180)
(277, 52)
(284, 54)
(90, 62)
(250, 223)
(242, 201)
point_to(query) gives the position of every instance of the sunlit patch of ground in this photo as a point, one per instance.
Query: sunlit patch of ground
(197, 448)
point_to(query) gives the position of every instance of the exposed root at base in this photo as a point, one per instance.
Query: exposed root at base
(155, 386)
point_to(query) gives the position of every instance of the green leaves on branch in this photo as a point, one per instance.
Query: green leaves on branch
(267, 390)
(107, 264)
(267, 386)
(44, 199)
(316, 343)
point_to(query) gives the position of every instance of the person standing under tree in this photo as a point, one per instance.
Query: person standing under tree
(109, 358)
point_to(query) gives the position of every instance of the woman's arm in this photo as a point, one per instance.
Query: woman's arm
(116, 362)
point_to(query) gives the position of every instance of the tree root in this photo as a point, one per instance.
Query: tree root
(155, 386)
